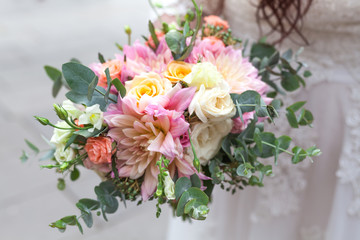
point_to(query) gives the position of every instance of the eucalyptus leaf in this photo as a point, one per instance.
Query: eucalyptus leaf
(78, 77)
(53, 73)
(119, 86)
(181, 185)
(292, 118)
(289, 81)
(32, 146)
(101, 58)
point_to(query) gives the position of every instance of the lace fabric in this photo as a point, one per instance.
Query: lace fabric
(333, 29)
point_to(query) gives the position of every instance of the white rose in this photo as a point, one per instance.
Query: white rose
(62, 155)
(169, 187)
(207, 137)
(212, 104)
(94, 116)
(61, 136)
(204, 74)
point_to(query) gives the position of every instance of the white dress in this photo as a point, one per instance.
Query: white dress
(305, 201)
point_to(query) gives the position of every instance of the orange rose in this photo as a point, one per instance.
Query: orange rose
(114, 69)
(99, 149)
(177, 70)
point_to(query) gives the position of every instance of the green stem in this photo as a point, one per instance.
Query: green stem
(104, 95)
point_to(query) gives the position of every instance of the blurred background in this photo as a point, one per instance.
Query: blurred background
(34, 33)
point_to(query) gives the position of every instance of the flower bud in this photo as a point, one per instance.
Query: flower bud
(169, 187)
(42, 120)
(61, 112)
(127, 29)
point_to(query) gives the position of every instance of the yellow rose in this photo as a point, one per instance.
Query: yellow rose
(204, 74)
(151, 84)
(177, 70)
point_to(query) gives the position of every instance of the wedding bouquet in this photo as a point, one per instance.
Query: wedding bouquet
(169, 119)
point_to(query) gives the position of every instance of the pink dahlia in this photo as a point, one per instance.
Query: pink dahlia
(143, 136)
(141, 58)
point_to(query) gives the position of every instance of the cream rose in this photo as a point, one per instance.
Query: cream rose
(207, 137)
(61, 136)
(151, 84)
(212, 104)
(205, 74)
(62, 155)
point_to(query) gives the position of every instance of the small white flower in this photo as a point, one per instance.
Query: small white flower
(207, 137)
(72, 110)
(62, 155)
(61, 136)
(92, 115)
(169, 187)
(212, 104)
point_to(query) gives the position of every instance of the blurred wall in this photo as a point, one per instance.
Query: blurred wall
(34, 33)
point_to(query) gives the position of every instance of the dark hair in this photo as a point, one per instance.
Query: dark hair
(284, 17)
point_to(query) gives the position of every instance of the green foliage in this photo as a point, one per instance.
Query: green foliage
(101, 58)
(32, 146)
(153, 35)
(56, 76)
(106, 202)
(176, 40)
(82, 83)
(119, 86)
(61, 184)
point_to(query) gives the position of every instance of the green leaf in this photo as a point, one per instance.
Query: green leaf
(176, 42)
(32, 146)
(292, 118)
(296, 106)
(289, 81)
(299, 154)
(101, 58)
(69, 220)
(246, 98)
(91, 88)
(243, 171)
(75, 60)
(78, 77)
(58, 224)
(267, 151)
(288, 55)
(199, 197)
(96, 99)
(257, 140)
(61, 184)
(261, 50)
(186, 30)
(108, 78)
(24, 157)
(75, 174)
(274, 59)
(53, 73)
(153, 34)
(195, 180)
(89, 204)
(57, 86)
(307, 74)
(119, 86)
(181, 185)
(79, 226)
(307, 118)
